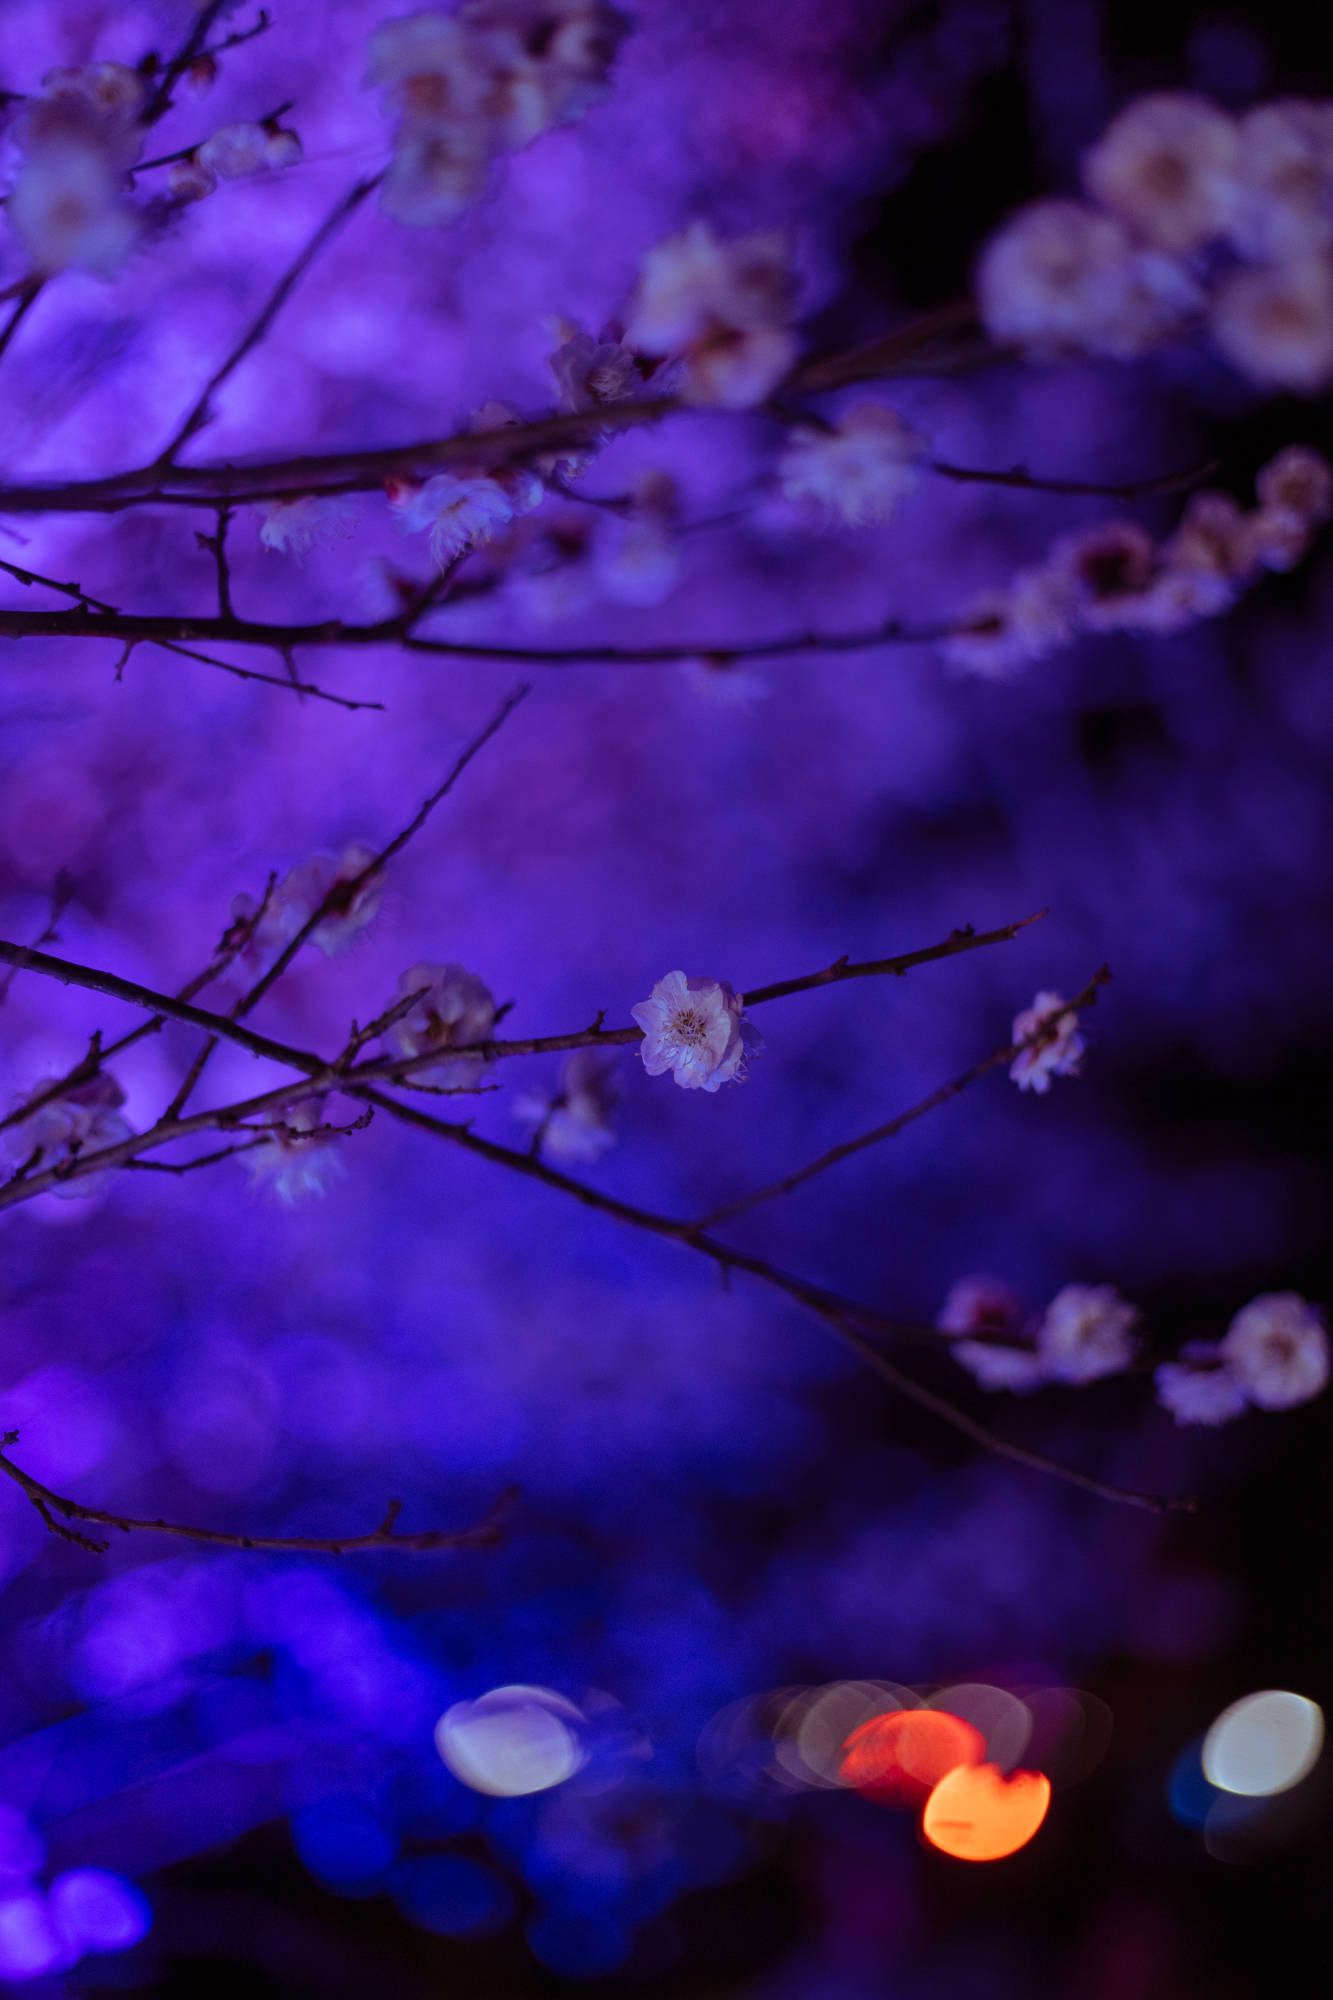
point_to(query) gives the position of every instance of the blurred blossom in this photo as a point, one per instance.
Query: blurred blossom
(30, 1945)
(574, 1123)
(1284, 173)
(455, 1009)
(294, 527)
(724, 307)
(1059, 275)
(512, 1741)
(1086, 1332)
(323, 879)
(1058, 1048)
(697, 1029)
(234, 151)
(1275, 324)
(1278, 1350)
(590, 373)
(300, 1159)
(979, 1305)
(858, 470)
(1264, 1743)
(1167, 166)
(83, 1119)
(1201, 1388)
(997, 1366)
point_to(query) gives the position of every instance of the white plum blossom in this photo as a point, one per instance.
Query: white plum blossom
(294, 527)
(113, 92)
(459, 510)
(857, 470)
(1277, 1349)
(696, 1028)
(1003, 630)
(1086, 1332)
(295, 1162)
(1200, 1388)
(1167, 166)
(189, 181)
(1110, 567)
(575, 1122)
(591, 373)
(979, 1304)
(1275, 323)
(322, 878)
(68, 207)
(456, 1009)
(996, 1366)
(234, 151)
(1300, 481)
(724, 307)
(83, 1119)
(1058, 275)
(1058, 1050)
(1284, 174)
(434, 175)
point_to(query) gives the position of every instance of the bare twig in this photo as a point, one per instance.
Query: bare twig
(1041, 1034)
(486, 1534)
(62, 892)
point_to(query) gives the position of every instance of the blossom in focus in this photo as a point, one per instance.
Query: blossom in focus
(1275, 324)
(1278, 1350)
(84, 1119)
(858, 470)
(1200, 1388)
(1058, 275)
(979, 1305)
(1058, 1049)
(696, 1028)
(724, 307)
(455, 1010)
(995, 1366)
(294, 1162)
(1087, 1331)
(576, 1122)
(320, 879)
(1167, 166)
(294, 527)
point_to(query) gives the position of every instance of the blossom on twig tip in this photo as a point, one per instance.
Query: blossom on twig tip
(1055, 1046)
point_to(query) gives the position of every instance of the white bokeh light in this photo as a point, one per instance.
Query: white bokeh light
(512, 1741)
(1263, 1744)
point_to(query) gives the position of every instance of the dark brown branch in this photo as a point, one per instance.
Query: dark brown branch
(1135, 489)
(890, 1129)
(843, 1316)
(966, 939)
(486, 1534)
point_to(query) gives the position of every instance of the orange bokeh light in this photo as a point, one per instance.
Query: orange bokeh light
(976, 1813)
(897, 1759)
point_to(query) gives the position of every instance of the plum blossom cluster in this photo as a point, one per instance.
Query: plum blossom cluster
(484, 80)
(77, 141)
(1115, 578)
(1273, 1356)
(83, 1118)
(1085, 1333)
(1194, 216)
(234, 153)
(696, 1028)
(855, 471)
(723, 309)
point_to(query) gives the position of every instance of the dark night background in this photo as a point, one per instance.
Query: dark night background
(715, 1501)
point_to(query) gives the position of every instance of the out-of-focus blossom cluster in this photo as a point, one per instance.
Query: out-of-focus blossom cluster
(1275, 1354)
(574, 1121)
(78, 141)
(1195, 215)
(453, 1009)
(301, 1158)
(83, 1119)
(484, 80)
(294, 527)
(856, 470)
(1115, 578)
(331, 883)
(232, 154)
(723, 308)
(1085, 1333)
(696, 1028)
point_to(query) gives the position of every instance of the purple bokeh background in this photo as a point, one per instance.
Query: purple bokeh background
(714, 1500)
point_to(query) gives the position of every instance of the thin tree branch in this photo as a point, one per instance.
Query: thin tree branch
(202, 410)
(1134, 489)
(1041, 1034)
(488, 1533)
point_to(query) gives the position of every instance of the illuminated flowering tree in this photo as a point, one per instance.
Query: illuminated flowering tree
(715, 474)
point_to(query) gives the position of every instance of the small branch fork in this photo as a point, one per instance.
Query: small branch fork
(58, 1511)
